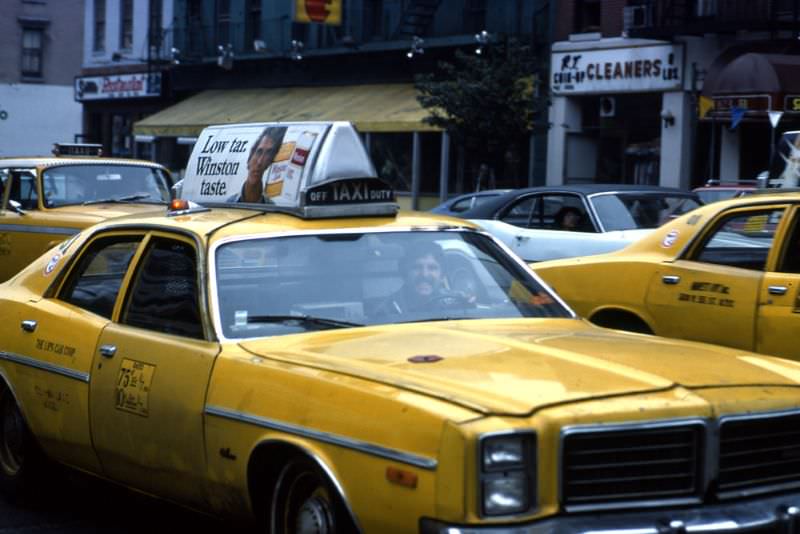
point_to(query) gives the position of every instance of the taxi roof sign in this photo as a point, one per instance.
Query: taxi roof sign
(77, 149)
(312, 169)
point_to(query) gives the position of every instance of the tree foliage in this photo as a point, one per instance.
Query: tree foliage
(485, 102)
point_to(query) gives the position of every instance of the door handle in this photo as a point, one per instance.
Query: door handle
(108, 351)
(777, 290)
(521, 238)
(28, 326)
(670, 279)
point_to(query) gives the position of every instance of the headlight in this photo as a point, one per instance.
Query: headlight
(508, 473)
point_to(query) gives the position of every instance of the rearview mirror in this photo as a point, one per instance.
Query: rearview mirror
(16, 207)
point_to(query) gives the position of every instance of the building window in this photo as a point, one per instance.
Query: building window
(126, 25)
(223, 22)
(155, 35)
(32, 39)
(252, 22)
(99, 25)
(587, 15)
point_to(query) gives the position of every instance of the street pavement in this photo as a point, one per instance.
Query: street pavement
(71, 503)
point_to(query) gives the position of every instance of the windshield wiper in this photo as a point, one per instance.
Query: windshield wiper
(121, 200)
(320, 321)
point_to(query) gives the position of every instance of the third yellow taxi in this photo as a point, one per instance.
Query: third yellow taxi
(726, 273)
(46, 199)
(316, 361)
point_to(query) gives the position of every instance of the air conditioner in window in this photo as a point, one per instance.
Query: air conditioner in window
(636, 17)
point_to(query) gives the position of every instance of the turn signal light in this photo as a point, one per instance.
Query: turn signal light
(401, 477)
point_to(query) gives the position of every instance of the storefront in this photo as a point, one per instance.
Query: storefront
(619, 113)
(752, 99)
(112, 103)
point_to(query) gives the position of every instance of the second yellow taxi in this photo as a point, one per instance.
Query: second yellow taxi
(727, 273)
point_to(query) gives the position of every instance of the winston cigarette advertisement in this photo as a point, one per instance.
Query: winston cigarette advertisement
(251, 163)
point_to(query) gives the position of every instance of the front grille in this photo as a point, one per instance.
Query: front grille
(611, 467)
(759, 453)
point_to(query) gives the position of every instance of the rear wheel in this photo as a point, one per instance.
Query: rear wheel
(20, 459)
(305, 502)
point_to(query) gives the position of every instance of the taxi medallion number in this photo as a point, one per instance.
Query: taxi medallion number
(133, 387)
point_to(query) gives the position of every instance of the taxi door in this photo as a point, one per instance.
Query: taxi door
(779, 304)
(24, 235)
(711, 294)
(151, 375)
(53, 348)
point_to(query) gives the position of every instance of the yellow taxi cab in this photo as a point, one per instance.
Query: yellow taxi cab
(44, 200)
(331, 364)
(726, 273)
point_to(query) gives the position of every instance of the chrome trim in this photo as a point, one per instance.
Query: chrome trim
(703, 479)
(44, 366)
(32, 229)
(325, 437)
(213, 302)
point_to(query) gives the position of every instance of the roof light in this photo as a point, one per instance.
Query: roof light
(77, 149)
(179, 204)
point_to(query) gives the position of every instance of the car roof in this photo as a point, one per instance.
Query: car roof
(52, 161)
(488, 208)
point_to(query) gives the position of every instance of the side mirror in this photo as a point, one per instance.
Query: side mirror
(16, 207)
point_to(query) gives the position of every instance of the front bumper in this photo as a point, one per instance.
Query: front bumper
(773, 515)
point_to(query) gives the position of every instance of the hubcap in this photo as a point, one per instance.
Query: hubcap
(313, 517)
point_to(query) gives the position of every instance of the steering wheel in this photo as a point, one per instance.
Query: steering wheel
(450, 301)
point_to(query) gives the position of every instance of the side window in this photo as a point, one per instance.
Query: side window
(521, 211)
(95, 282)
(790, 260)
(563, 212)
(163, 295)
(463, 204)
(741, 240)
(23, 190)
(3, 184)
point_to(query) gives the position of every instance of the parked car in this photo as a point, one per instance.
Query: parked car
(231, 359)
(715, 190)
(461, 204)
(44, 200)
(727, 273)
(609, 217)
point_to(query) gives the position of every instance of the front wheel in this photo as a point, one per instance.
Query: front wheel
(20, 458)
(305, 502)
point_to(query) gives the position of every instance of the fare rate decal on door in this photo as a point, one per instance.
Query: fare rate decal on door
(133, 387)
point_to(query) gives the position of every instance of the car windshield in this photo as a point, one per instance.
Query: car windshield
(284, 285)
(631, 211)
(93, 183)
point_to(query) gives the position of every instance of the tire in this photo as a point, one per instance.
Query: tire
(20, 458)
(305, 502)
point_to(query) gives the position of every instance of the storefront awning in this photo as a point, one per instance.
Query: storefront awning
(371, 108)
(756, 73)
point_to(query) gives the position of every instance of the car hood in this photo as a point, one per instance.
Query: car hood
(517, 366)
(101, 212)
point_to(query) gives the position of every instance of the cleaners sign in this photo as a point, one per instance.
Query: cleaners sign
(616, 70)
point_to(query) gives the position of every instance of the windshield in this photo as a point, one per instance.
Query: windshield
(630, 211)
(88, 183)
(285, 285)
